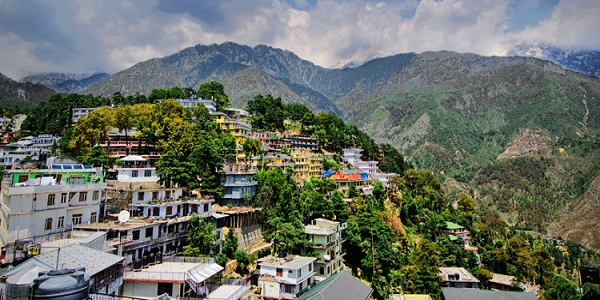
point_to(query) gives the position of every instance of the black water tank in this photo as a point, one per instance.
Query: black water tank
(69, 284)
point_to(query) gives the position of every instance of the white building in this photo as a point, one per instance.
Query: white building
(326, 238)
(79, 112)
(43, 205)
(285, 278)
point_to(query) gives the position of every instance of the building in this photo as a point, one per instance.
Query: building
(105, 270)
(344, 179)
(457, 278)
(137, 183)
(326, 238)
(236, 122)
(121, 143)
(31, 149)
(181, 277)
(457, 233)
(352, 155)
(44, 205)
(340, 286)
(209, 104)
(79, 112)
(285, 278)
(501, 282)
(159, 230)
(239, 183)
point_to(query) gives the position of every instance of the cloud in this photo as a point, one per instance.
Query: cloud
(111, 35)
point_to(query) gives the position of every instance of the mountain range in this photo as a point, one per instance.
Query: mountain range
(582, 61)
(519, 134)
(66, 82)
(14, 93)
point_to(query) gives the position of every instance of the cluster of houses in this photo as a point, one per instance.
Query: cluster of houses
(126, 229)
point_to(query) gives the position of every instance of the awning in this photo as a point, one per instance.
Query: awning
(201, 274)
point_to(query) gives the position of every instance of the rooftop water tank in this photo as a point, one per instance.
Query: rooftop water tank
(69, 284)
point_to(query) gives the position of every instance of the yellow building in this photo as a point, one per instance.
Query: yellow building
(236, 122)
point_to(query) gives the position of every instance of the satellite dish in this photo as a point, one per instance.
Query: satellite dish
(123, 216)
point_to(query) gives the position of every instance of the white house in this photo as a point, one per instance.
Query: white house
(285, 277)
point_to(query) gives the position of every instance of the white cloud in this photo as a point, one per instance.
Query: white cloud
(84, 36)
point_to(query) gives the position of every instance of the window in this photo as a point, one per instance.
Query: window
(76, 219)
(310, 267)
(301, 285)
(147, 173)
(165, 288)
(299, 273)
(140, 195)
(289, 288)
(72, 195)
(51, 198)
(48, 225)
(82, 196)
(321, 271)
(279, 272)
(155, 196)
(205, 207)
(63, 198)
(95, 196)
(94, 217)
(149, 232)
(136, 235)
(134, 173)
(169, 210)
(23, 178)
(61, 222)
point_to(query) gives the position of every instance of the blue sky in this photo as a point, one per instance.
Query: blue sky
(111, 35)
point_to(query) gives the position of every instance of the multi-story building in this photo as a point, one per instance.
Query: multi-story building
(79, 112)
(124, 144)
(344, 179)
(285, 278)
(137, 183)
(458, 278)
(239, 183)
(44, 205)
(190, 102)
(160, 229)
(32, 149)
(455, 231)
(326, 239)
(302, 142)
(274, 160)
(236, 122)
(302, 163)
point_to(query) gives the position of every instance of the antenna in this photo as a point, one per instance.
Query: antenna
(123, 216)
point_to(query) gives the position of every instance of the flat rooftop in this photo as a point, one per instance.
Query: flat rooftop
(290, 262)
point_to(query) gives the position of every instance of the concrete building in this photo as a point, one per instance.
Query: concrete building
(326, 237)
(79, 112)
(457, 278)
(182, 277)
(285, 278)
(44, 205)
(239, 183)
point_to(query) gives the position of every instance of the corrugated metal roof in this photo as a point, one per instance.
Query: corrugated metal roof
(75, 256)
(477, 294)
(205, 273)
(340, 286)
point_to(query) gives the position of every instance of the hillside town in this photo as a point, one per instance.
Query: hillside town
(127, 231)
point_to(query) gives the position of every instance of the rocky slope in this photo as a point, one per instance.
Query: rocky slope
(13, 93)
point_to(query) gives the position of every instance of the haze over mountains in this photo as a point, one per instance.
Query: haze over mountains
(520, 134)
(66, 82)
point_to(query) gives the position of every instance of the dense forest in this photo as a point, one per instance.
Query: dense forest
(391, 238)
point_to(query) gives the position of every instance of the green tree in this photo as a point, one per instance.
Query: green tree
(231, 244)
(124, 121)
(202, 237)
(244, 260)
(252, 147)
(466, 205)
(268, 113)
(214, 91)
(97, 157)
(171, 170)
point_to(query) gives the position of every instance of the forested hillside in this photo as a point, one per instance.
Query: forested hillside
(391, 238)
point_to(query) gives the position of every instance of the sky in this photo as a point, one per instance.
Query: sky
(85, 36)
